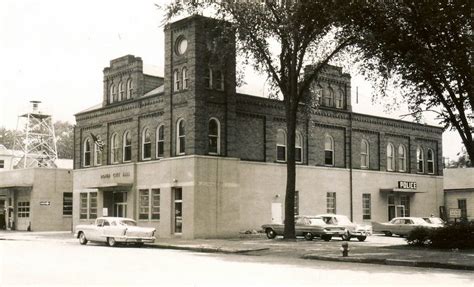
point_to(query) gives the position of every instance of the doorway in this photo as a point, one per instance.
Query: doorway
(177, 210)
(398, 206)
(277, 217)
(3, 223)
(120, 204)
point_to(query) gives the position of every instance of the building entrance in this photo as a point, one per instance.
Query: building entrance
(177, 210)
(398, 206)
(3, 223)
(115, 203)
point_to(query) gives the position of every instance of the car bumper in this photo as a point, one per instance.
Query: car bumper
(361, 233)
(135, 239)
(334, 232)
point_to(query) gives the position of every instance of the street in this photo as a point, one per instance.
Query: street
(50, 263)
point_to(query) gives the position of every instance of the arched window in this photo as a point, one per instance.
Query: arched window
(340, 99)
(328, 150)
(328, 97)
(402, 158)
(87, 152)
(121, 91)
(219, 80)
(420, 167)
(214, 136)
(180, 137)
(129, 89)
(160, 141)
(390, 158)
(430, 161)
(184, 73)
(208, 78)
(146, 144)
(97, 153)
(113, 94)
(176, 81)
(281, 145)
(298, 147)
(127, 146)
(364, 154)
(114, 148)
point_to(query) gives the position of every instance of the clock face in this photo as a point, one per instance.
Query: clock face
(181, 45)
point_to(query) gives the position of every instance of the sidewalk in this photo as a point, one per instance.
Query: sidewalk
(374, 251)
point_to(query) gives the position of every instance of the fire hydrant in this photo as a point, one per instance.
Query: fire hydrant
(345, 249)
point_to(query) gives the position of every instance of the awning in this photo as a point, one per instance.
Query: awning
(110, 185)
(16, 186)
(400, 190)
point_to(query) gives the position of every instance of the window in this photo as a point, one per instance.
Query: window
(214, 136)
(219, 80)
(419, 159)
(113, 94)
(127, 146)
(129, 89)
(87, 153)
(149, 204)
(208, 78)
(88, 205)
(331, 202)
(402, 158)
(176, 81)
(405, 201)
(366, 206)
(97, 154)
(121, 91)
(390, 159)
(430, 161)
(181, 138)
(160, 141)
(328, 150)
(462, 204)
(146, 144)
(298, 147)
(67, 203)
(297, 202)
(328, 97)
(340, 99)
(83, 206)
(2, 163)
(364, 154)
(114, 148)
(185, 78)
(281, 145)
(23, 209)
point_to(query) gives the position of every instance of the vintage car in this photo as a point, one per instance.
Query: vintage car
(114, 230)
(308, 227)
(401, 225)
(351, 229)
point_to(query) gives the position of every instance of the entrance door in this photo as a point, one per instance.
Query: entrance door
(391, 207)
(277, 217)
(177, 210)
(3, 223)
(120, 204)
(400, 211)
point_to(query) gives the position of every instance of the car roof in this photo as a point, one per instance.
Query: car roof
(331, 215)
(115, 218)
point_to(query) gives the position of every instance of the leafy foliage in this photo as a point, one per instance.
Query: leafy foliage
(419, 236)
(454, 236)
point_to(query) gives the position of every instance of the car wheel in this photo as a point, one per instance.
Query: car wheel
(82, 238)
(387, 233)
(271, 233)
(326, 237)
(346, 236)
(361, 238)
(308, 236)
(111, 241)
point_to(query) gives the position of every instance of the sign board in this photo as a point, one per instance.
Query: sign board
(45, 203)
(455, 212)
(105, 211)
(407, 185)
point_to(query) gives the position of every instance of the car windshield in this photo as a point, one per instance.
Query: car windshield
(434, 220)
(417, 220)
(127, 222)
(316, 221)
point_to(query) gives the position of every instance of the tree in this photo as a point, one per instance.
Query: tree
(281, 37)
(64, 139)
(462, 161)
(424, 48)
(7, 137)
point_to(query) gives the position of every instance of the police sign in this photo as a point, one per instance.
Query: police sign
(407, 184)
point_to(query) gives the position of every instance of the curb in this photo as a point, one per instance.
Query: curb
(392, 262)
(204, 249)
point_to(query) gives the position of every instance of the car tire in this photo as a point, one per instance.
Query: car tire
(82, 238)
(270, 233)
(308, 236)
(326, 237)
(346, 236)
(387, 233)
(111, 241)
(361, 238)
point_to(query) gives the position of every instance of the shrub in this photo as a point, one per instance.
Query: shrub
(419, 236)
(460, 236)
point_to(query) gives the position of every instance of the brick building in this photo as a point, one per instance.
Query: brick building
(189, 155)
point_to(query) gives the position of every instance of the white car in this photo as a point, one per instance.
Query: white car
(351, 229)
(401, 225)
(113, 230)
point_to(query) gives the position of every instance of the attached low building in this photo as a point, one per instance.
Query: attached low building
(459, 193)
(187, 154)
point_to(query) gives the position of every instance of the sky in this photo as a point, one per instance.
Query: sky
(55, 50)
